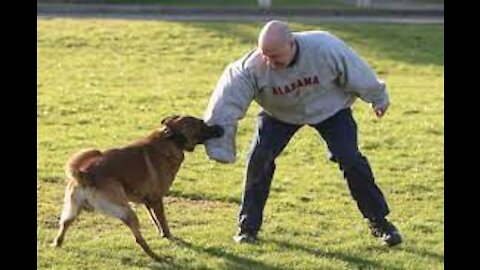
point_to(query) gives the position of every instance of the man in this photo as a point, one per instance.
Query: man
(302, 78)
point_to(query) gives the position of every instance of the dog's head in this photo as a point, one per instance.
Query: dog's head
(189, 131)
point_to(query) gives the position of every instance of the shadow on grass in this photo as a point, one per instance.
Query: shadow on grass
(426, 254)
(232, 261)
(355, 262)
(417, 252)
(52, 179)
(412, 44)
(203, 197)
(236, 262)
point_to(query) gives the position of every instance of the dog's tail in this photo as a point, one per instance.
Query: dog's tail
(77, 165)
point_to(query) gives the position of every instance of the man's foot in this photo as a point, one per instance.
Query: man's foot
(386, 231)
(245, 237)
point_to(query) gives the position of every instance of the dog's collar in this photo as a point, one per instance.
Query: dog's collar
(177, 137)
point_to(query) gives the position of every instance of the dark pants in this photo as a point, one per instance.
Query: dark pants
(340, 134)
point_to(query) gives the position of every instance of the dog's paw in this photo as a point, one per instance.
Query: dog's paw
(168, 236)
(180, 242)
(163, 259)
(158, 258)
(56, 244)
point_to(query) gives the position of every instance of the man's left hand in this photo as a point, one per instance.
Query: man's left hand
(380, 110)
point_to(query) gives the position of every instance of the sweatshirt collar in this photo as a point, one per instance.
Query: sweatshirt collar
(295, 57)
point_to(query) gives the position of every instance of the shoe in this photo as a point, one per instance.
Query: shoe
(386, 231)
(245, 237)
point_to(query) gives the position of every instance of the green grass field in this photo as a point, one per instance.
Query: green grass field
(104, 83)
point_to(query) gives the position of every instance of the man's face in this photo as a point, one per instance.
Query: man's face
(278, 57)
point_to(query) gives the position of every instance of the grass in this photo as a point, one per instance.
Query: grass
(104, 83)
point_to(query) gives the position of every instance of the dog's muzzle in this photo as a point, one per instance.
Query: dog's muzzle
(214, 131)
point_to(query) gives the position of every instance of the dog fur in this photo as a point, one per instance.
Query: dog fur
(141, 172)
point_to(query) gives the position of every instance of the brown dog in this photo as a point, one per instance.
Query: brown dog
(141, 172)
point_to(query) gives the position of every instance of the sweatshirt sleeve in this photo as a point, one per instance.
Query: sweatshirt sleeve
(228, 104)
(355, 75)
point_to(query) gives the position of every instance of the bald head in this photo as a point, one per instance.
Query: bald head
(274, 34)
(276, 44)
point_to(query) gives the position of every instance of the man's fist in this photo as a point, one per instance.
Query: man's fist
(380, 110)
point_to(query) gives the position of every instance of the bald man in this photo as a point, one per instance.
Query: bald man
(302, 78)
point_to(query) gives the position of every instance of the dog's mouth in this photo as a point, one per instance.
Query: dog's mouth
(212, 132)
(207, 132)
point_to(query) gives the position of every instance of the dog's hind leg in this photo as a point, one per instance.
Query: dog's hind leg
(112, 200)
(71, 209)
(159, 212)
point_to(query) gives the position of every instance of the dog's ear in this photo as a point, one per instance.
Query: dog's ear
(167, 120)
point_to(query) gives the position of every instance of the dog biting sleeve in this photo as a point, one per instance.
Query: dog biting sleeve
(228, 104)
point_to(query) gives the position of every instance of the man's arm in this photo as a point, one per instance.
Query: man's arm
(356, 76)
(228, 104)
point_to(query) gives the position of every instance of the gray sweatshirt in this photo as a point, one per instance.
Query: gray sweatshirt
(326, 77)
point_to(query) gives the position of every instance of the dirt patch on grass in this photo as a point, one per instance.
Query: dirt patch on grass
(201, 203)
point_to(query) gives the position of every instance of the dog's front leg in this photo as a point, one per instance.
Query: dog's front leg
(153, 217)
(131, 220)
(159, 212)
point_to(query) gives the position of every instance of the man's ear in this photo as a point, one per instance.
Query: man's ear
(169, 119)
(291, 42)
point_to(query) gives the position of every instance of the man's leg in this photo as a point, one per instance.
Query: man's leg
(340, 134)
(270, 138)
